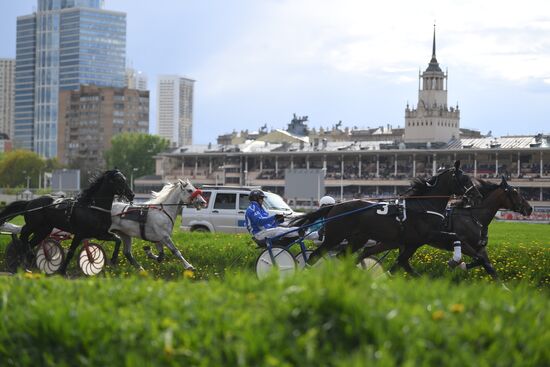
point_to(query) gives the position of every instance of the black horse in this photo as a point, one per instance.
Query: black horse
(415, 221)
(86, 216)
(470, 222)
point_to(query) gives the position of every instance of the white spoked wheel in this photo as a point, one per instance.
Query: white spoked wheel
(300, 261)
(91, 259)
(283, 261)
(49, 256)
(372, 265)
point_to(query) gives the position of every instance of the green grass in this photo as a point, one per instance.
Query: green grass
(519, 251)
(334, 315)
(331, 316)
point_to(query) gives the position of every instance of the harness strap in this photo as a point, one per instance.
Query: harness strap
(100, 209)
(435, 213)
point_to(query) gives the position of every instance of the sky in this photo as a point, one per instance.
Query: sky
(258, 62)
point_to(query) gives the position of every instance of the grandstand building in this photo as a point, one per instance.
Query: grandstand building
(365, 163)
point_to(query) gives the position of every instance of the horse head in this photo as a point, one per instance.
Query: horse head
(189, 195)
(513, 200)
(118, 184)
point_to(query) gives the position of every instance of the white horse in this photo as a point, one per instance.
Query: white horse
(153, 220)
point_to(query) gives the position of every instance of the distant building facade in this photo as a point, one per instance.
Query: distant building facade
(136, 79)
(7, 95)
(91, 116)
(432, 120)
(61, 46)
(175, 109)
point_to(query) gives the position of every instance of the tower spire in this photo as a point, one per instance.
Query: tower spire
(434, 65)
(433, 47)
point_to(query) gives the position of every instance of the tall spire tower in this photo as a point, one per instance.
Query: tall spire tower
(432, 120)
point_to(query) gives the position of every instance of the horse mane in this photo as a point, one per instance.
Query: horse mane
(87, 194)
(162, 195)
(486, 187)
(419, 185)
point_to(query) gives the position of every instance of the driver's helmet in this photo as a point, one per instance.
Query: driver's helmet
(255, 195)
(327, 200)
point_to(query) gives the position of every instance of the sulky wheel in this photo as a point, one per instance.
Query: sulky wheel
(300, 261)
(91, 259)
(49, 256)
(372, 265)
(15, 255)
(283, 261)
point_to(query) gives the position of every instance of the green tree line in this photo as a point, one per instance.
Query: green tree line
(129, 152)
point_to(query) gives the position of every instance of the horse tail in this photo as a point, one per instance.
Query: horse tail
(13, 210)
(310, 217)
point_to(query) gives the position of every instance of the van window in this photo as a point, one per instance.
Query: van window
(243, 201)
(206, 195)
(225, 201)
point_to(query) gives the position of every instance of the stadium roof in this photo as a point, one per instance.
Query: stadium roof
(258, 146)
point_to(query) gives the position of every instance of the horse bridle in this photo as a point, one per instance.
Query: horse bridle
(516, 205)
(193, 196)
(475, 193)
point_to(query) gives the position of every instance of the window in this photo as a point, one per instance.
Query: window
(206, 195)
(225, 201)
(243, 201)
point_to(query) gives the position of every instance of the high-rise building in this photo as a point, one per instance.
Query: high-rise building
(64, 44)
(136, 79)
(91, 116)
(175, 109)
(7, 94)
(432, 120)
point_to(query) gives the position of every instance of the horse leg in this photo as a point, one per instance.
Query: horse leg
(487, 264)
(168, 242)
(24, 247)
(450, 237)
(403, 259)
(114, 258)
(127, 251)
(318, 253)
(376, 249)
(160, 249)
(151, 255)
(74, 244)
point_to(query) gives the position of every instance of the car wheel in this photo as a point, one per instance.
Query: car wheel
(200, 229)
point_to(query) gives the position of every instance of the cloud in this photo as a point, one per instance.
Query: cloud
(389, 40)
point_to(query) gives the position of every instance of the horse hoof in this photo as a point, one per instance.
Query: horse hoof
(452, 263)
(147, 248)
(463, 266)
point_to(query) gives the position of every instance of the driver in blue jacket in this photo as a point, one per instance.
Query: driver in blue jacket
(260, 224)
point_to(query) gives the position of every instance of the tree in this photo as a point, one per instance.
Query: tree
(17, 165)
(135, 150)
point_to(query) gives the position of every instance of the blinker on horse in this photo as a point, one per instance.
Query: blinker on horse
(86, 216)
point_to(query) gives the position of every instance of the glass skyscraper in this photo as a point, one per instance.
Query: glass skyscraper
(64, 44)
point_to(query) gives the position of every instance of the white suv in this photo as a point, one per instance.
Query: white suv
(226, 208)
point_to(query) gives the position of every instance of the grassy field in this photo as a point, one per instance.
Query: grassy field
(519, 251)
(334, 315)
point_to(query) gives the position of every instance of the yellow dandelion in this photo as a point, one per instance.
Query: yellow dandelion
(457, 308)
(143, 273)
(438, 315)
(189, 274)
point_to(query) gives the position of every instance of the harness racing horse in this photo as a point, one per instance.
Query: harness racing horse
(416, 221)
(470, 223)
(86, 216)
(154, 221)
